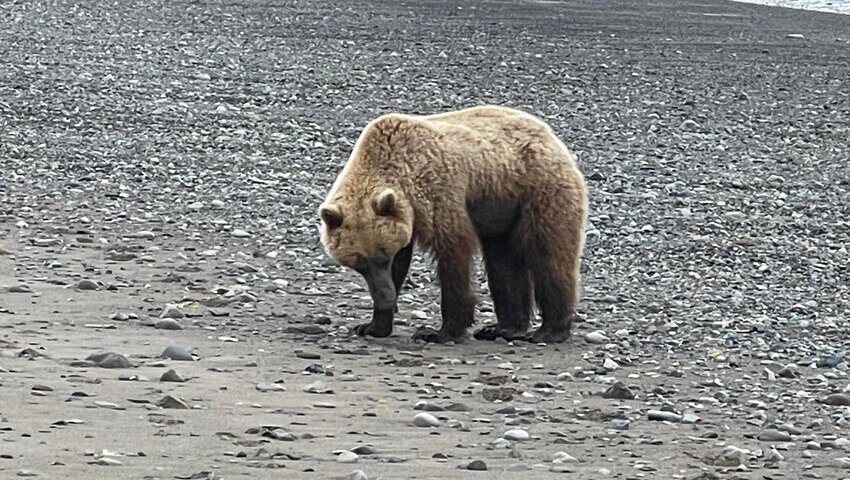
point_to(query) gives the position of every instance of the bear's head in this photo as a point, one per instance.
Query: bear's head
(365, 233)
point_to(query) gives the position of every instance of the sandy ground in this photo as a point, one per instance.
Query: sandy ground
(165, 160)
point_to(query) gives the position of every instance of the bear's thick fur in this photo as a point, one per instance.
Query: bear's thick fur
(489, 178)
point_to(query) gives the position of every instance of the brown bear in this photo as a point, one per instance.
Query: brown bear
(490, 178)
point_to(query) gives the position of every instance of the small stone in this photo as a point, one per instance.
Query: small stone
(357, 475)
(690, 418)
(171, 311)
(109, 360)
(610, 364)
(689, 126)
(176, 352)
(87, 285)
(26, 473)
(796, 36)
(516, 435)
(347, 457)
(564, 457)
(843, 463)
(107, 462)
(425, 420)
(662, 416)
(168, 324)
(171, 376)
(838, 400)
(618, 424)
(239, 233)
(596, 337)
(477, 466)
(618, 391)
(317, 387)
(270, 387)
(773, 456)
(170, 401)
(20, 288)
(773, 435)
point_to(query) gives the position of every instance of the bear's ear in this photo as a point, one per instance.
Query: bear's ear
(384, 203)
(331, 215)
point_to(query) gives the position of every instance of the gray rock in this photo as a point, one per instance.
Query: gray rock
(171, 376)
(170, 401)
(476, 466)
(358, 475)
(270, 387)
(109, 360)
(618, 391)
(838, 400)
(662, 416)
(176, 352)
(87, 285)
(168, 324)
(773, 435)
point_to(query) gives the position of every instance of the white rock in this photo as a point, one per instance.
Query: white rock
(239, 233)
(564, 457)
(516, 435)
(597, 336)
(347, 457)
(425, 420)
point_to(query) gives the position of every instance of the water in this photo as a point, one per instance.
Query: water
(832, 6)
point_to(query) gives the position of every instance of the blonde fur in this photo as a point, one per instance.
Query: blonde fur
(433, 166)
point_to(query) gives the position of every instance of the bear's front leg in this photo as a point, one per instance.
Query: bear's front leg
(457, 302)
(380, 326)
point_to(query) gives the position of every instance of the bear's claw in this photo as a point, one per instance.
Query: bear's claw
(430, 335)
(492, 332)
(372, 330)
(547, 335)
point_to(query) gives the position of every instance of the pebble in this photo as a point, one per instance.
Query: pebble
(168, 324)
(358, 475)
(596, 337)
(618, 391)
(347, 457)
(477, 466)
(618, 424)
(176, 352)
(87, 285)
(171, 376)
(516, 435)
(662, 416)
(838, 400)
(773, 435)
(270, 387)
(171, 311)
(170, 401)
(564, 457)
(239, 233)
(425, 420)
(109, 360)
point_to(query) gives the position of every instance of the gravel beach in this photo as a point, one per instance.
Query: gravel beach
(167, 311)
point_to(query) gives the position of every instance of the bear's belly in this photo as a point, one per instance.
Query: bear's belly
(493, 218)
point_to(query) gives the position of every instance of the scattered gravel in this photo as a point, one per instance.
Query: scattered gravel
(166, 164)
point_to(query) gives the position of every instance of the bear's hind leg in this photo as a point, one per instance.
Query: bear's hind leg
(510, 288)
